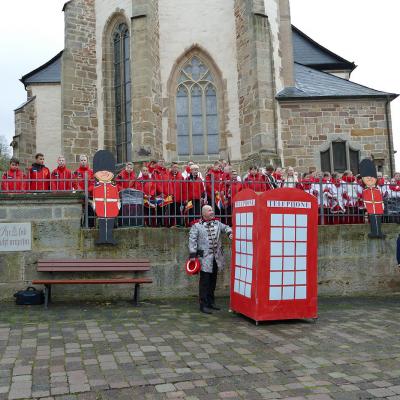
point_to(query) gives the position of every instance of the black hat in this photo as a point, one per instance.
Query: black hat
(103, 160)
(367, 168)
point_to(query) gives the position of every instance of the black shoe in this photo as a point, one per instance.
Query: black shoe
(214, 307)
(205, 310)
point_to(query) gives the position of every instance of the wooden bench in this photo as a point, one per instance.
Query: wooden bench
(92, 266)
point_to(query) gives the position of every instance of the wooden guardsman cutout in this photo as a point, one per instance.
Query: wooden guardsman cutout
(372, 198)
(106, 202)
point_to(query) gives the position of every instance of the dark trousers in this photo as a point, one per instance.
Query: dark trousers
(175, 216)
(375, 221)
(195, 211)
(207, 284)
(106, 226)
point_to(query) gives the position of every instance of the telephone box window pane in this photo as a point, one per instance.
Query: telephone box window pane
(288, 249)
(288, 263)
(275, 278)
(301, 278)
(301, 249)
(276, 263)
(276, 234)
(237, 258)
(301, 263)
(301, 234)
(249, 276)
(249, 234)
(237, 273)
(290, 234)
(249, 263)
(288, 293)
(301, 220)
(288, 278)
(276, 249)
(238, 218)
(247, 291)
(275, 293)
(249, 219)
(276, 219)
(301, 292)
(289, 220)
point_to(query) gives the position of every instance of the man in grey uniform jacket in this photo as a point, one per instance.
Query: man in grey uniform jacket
(205, 243)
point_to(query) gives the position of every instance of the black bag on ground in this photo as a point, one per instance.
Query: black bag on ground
(29, 297)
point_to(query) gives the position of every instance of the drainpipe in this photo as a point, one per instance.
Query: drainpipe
(389, 135)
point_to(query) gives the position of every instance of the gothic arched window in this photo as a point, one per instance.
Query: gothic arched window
(196, 110)
(122, 93)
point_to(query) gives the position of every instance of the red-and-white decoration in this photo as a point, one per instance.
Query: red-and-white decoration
(274, 255)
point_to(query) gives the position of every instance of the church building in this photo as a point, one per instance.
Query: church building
(199, 80)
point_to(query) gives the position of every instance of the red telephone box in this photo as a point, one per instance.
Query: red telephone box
(274, 254)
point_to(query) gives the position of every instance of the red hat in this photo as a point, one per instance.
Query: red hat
(192, 267)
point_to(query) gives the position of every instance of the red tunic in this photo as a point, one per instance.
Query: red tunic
(61, 179)
(79, 178)
(126, 180)
(39, 177)
(13, 181)
(105, 197)
(372, 198)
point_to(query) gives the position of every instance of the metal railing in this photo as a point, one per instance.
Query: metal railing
(169, 202)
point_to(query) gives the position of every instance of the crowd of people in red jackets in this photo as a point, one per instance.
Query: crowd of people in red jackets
(174, 197)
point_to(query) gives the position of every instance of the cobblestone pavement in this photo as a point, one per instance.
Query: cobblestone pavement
(168, 350)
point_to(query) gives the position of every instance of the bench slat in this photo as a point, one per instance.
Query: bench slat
(89, 281)
(93, 260)
(91, 269)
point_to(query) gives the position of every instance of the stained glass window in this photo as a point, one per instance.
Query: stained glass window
(122, 93)
(196, 110)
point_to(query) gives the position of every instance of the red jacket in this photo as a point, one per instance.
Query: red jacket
(126, 180)
(255, 182)
(146, 185)
(195, 189)
(79, 178)
(39, 177)
(234, 188)
(105, 198)
(176, 187)
(61, 179)
(13, 181)
(217, 183)
(372, 198)
(161, 176)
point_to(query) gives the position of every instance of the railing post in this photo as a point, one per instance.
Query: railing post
(212, 192)
(86, 201)
(321, 199)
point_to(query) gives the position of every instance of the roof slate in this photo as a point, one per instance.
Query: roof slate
(50, 72)
(311, 83)
(306, 51)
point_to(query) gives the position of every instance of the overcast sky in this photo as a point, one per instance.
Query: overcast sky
(364, 31)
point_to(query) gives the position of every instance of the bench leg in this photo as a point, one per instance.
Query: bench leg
(47, 295)
(136, 294)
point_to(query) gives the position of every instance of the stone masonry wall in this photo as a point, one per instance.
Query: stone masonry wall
(256, 83)
(349, 262)
(309, 126)
(25, 133)
(146, 81)
(78, 82)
